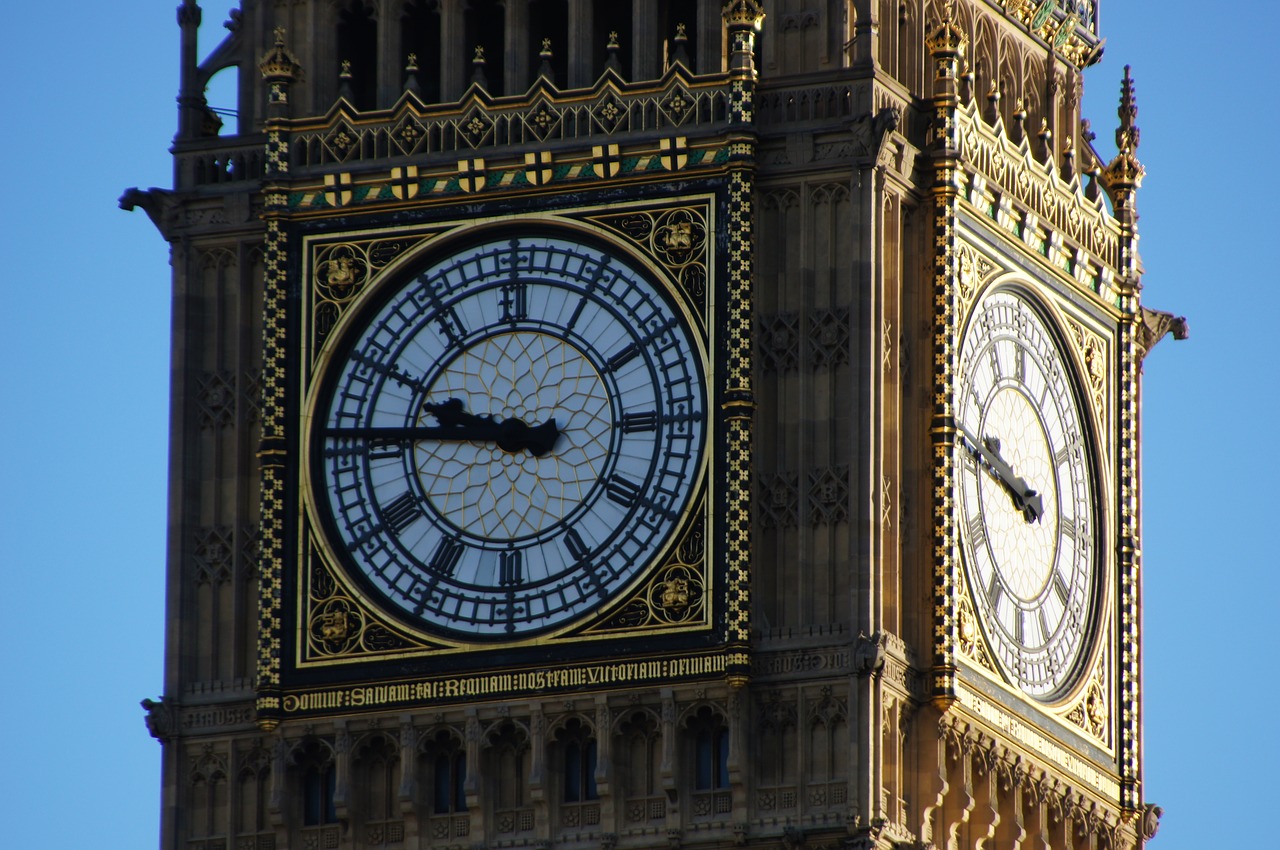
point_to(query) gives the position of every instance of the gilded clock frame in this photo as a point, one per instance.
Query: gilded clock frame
(1038, 299)
(335, 623)
(1082, 717)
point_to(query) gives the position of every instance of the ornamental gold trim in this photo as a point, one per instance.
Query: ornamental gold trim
(272, 453)
(1048, 754)
(1002, 175)
(676, 594)
(340, 272)
(677, 104)
(1092, 713)
(737, 387)
(973, 644)
(335, 623)
(529, 682)
(1082, 333)
(338, 625)
(1061, 29)
(676, 237)
(976, 271)
(1090, 708)
(1091, 350)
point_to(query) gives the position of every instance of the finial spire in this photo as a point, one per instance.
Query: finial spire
(1046, 140)
(478, 76)
(678, 51)
(613, 47)
(280, 69)
(279, 65)
(1127, 134)
(189, 14)
(993, 103)
(945, 38)
(191, 101)
(945, 42)
(544, 67)
(743, 13)
(411, 75)
(1123, 175)
(1068, 168)
(344, 82)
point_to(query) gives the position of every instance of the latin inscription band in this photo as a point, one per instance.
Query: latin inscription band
(1016, 730)
(505, 685)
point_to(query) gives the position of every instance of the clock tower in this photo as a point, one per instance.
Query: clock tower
(644, 424)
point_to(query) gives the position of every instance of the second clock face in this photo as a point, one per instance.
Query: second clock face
(512, 437)
(1027, 498)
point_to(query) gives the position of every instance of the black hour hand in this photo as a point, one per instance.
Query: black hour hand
(987, 451)
(511, 435)
(457, 425)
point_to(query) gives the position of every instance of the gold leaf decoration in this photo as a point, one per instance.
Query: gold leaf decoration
(1092, 712)
(675, 595)
(1093, 355)
(975, 270)
(340, 273)
(338, 626)
(676, 238)
(972, 644)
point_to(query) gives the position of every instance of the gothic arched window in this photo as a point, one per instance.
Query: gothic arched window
(251, 791)
(506, 771)
(442, 778)
(377, 782)
(209, 797)
(827, 757)
(708, 742)
(314, 767)
(641, 755)
(574, 754)
(578, 759)
(318, 785)
(446, 773)
(776, 754)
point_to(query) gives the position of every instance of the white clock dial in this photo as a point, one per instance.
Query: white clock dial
(510, 438)
(1026, 496)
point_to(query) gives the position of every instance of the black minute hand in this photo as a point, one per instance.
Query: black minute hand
(987, 451)
(457, 425)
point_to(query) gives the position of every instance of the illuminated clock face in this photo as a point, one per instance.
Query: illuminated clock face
(508, 440)
(1027, 502)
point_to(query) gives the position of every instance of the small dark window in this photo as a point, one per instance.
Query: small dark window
(549, 20)
(358, 44)
(610, 16)
(580, 771)
(711, 770)
(485, 27)
(319, 784)
(420, 36)
(673, 15)
(450, 774)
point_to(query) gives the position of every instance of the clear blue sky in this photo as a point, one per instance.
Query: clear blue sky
(88, 98)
